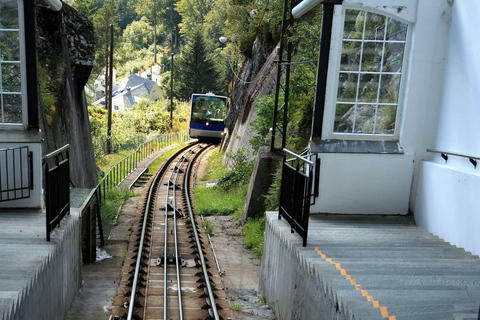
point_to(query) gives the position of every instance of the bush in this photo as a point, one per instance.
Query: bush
(241, 171)
(272, 199)
(253, 235)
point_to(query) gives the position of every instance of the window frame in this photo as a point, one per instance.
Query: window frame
(334, 76)
(23, 73)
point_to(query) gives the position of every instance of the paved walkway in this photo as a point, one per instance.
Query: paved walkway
(370, 267)
(39, 279)
(142, 165)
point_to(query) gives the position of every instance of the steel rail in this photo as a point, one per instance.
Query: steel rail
(140, 249)
(137, 178)
(155, 181)
(211, 298)
(213, 250)
(173, 181)
(165, 281)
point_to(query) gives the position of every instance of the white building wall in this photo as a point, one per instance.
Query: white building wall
(21, 138)
(448, 198)
(418, 127)
(365, 183)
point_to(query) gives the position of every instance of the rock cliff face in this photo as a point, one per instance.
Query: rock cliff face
(258, 76)
(65, 42)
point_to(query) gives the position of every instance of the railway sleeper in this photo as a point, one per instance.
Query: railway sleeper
(142, 264)
(199, 273)
(199, 240)
(198, 265)
(140, 278)
(146, 249)
(178, 169)
(171, 260)
(205, 295)
(207, 306)
(141, 271)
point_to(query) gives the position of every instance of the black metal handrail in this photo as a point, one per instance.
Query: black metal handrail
(57, 190)
(16, 173)
(296, 191)
(473, 159)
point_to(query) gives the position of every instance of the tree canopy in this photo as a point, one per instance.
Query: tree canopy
(196, 71)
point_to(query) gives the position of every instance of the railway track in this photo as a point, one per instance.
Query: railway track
(166, 273)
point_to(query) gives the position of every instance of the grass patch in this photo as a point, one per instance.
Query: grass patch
(228, 197)
(215, 169)
(214, 201)
(109, 160)
(113, 200)
(161, 159)
(236, 307)
(208, 226)
(253, 235)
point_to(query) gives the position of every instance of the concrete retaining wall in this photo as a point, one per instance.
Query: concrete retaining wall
(51, 291)
(288, 281)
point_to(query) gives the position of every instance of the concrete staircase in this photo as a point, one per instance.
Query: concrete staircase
(413, 274)
(374, 267)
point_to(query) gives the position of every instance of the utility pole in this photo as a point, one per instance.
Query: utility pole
(171, 94)
(155, 31)
(110, 87)
(171, 76)
(283, 30)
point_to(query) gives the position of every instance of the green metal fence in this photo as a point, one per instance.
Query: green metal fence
(124, 167)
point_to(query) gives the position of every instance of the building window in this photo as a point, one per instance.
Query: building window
(369, 78)
(11, 101)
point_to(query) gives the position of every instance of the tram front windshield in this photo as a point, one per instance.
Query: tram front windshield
(208, 109)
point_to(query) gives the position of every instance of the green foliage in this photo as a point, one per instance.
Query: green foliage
(272, 199)
(241, 171)
(126, 12)
(193, 14)
(47, 93)
(236, 307)
(113, 200)
(138, 35)
(253, 235)
(208, 226)
(195, 68)
(148, 118)
(261, 126)
(305, 37)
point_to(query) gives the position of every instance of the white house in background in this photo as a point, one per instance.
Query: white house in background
(403, 77)
(135, 89)
(99, 84)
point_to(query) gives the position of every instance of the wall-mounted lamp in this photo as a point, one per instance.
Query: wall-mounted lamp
(55, 4)
(224, 39)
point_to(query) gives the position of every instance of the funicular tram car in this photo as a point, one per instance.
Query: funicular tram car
(207, 116)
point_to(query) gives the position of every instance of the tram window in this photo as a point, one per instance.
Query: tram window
(212, 109)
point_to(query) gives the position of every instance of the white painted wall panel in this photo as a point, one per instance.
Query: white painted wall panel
(448, 204)
(460, 107)
(364, 183)
(367, 186)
